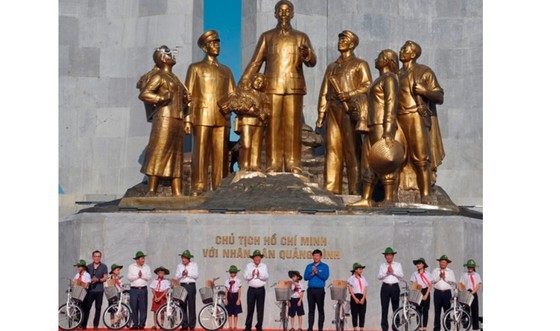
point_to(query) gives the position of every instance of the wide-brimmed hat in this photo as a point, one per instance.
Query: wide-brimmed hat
(444, 257)
(420, 260)
(233, 268)
(139, 254)
(81, 263)
(389, 250)
(186, 254)
(470, 264)
(357, 265)
(256, 253)
(293, 273)
(158, 269)
(115, 266)
(386, 158)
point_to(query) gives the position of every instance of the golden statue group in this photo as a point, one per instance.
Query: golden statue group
(384, 130)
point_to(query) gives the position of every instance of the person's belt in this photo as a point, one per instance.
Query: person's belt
(393, 284)
(442, 290)
(138, 287)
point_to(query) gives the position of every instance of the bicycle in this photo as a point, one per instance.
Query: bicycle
(407, 317)
(170, 315)
(70, 314)
(458, 318)
(282, 292)
(213, 316)
(118, 314)
(341, 307)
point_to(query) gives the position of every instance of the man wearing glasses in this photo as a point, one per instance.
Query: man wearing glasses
(99, 274)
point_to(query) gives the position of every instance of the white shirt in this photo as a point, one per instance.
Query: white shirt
(254, 281)
(440, 284)
(163, 285)
(296, 294)
(135, 280)
(353, 281)
(235, 286)
(390, 278)
(419, 280)
(86, 278)
(192, 275)
(466, 279)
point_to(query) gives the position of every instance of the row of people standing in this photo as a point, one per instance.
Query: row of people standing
(256, 275)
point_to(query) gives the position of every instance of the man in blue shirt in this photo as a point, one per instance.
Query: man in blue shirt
(316, 274)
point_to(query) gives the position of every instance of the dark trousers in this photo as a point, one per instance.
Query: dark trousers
(389, 292)
(474, 312)
(255, 296)
(139, 305)
(442, 302)
(90, 298)
(316, 296)
(358, 311)
(189, 307)
(424, 308)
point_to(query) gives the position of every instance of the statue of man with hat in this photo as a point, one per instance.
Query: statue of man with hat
(209, 81)
(139, 275)
(343, 102)
(442, 276)
(256, 275)
(382, 153)
(187, 274)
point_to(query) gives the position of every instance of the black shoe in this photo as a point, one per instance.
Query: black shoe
(184, 328)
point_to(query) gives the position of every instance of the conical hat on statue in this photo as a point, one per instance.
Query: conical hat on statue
(385, 159)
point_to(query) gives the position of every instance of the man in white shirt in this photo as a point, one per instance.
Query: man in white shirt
(390, 272)
(187, 274)
(139, 274)
(442, 289)
(256, 274)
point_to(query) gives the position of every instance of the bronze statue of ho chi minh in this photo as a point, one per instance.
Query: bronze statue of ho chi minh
(383, 148)
(419, 92)
(167, 97)
(208, 82)
(283, 50)
(343, 103)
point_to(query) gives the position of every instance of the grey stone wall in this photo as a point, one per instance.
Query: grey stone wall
(450, 33)
(104, 47)
(347, 239)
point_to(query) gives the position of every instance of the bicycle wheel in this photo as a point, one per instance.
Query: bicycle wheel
(462, 321)
(169, 316)
(406, 319)
(339, 317)
(71, 318)
(284, 316)
(212, 319)
(116, 319)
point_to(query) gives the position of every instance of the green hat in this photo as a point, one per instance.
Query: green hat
(420, 260)
(444, 257)
(81, 263)
(158, 269)
(389, 250)
(233, 268)
(115, 266)
(139, 254)
(357, 265)
(470, 264)
(293, 273)
(256, 253)
(186, 254)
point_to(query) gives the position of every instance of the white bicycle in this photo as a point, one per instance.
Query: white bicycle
(457, 318)
(118, 314)
(213, 316)
(170, 315)
(70, 314)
